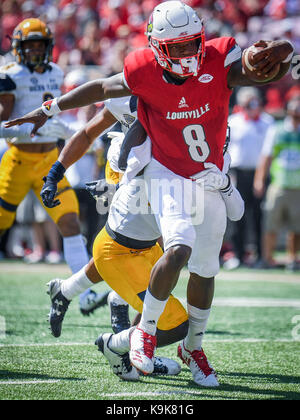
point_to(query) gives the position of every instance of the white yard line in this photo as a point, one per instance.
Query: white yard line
(257, 302)
(218, 301)
(258, 276)
(254, 302)
(207, 340)
(48, 381)
(150, 394)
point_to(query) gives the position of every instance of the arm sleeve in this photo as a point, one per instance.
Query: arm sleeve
(234, 53)
(234, 203)
(19, 131)
(136, 69)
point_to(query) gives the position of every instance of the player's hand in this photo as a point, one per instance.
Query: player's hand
(37, 117)
(212, 177)
(273, 52)
(48, 192)
(100, 189)
(103, 193)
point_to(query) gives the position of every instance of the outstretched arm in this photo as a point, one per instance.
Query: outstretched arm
(74, 149)
(80, 142)
(89, 93)
(273, 53)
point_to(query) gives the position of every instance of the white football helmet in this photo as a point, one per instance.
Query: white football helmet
(174, 23)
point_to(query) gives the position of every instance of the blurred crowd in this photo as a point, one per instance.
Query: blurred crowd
(92, 37)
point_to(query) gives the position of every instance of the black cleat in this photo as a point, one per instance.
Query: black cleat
(92, 301)
(119, 315)
(119, 363)
(59, 306)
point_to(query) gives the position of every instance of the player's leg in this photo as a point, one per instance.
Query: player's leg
(172, 206)
(127, 272)
(62, 292)
(75, 253)
(203, 266)
(172, 327)
(15, 181)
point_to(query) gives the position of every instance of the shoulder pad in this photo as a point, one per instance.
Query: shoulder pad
(6, 83)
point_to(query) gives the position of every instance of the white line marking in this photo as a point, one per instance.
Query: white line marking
(45, 344)
(150, 394)
(207, 340)
(257, 302)
(49, 381)
(253, 302)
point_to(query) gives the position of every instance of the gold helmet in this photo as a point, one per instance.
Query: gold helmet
(32, 30)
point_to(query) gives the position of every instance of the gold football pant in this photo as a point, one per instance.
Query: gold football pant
(111, 176)
(21, 171)
(127, 271)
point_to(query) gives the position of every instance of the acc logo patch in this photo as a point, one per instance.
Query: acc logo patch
(205, 78)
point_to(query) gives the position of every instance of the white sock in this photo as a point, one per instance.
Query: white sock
(114, 298)
(120, 342)
(197, 325)
(75, 284)
(75, 252)
(152, 310)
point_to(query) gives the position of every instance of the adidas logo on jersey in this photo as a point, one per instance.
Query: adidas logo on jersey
(182, 103)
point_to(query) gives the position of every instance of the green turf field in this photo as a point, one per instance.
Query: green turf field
(253, 342)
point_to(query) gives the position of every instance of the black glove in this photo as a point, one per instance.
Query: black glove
(48, 192)
(97, 188)
(49, 189)
(101, 190)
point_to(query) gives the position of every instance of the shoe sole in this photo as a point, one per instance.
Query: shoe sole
(100, 344)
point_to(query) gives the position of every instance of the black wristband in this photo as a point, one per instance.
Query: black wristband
(56, 172)
(225, 189)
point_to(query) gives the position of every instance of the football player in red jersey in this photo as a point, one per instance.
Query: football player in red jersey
(184, 85)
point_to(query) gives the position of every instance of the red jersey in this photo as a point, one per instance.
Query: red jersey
(186, 123)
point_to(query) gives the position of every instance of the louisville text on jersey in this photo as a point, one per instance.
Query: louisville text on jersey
(193, 114)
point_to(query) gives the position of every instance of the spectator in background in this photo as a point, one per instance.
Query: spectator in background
(89, 44)
(281, 154)
(248, 129)
(11, 16)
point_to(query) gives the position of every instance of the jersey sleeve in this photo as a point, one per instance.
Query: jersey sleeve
(224, 51)
(233, 53)
(7, 85)
(135, 69)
